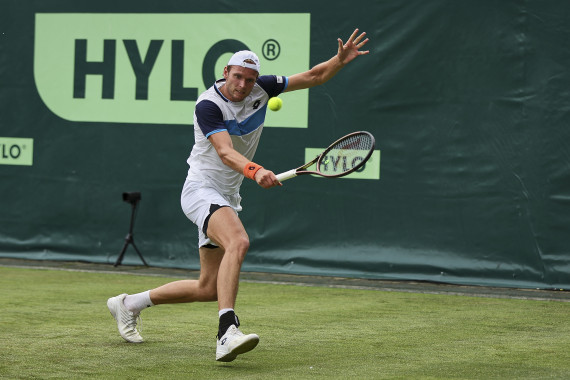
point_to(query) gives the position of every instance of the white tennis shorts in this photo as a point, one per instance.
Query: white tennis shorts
(199, 201)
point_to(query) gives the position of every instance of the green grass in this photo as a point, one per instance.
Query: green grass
(55, 324)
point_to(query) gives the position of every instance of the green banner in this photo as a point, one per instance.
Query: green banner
(467, 100)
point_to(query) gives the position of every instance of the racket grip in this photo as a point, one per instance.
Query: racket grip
(287, 175)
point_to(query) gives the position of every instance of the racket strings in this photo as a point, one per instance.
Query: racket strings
(346, 154)
(357, 142)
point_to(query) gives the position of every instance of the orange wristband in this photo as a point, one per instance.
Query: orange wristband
(250, 169)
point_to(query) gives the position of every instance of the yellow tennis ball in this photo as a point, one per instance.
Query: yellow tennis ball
(275, 104)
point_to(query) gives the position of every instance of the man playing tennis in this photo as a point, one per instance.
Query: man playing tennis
(228, 120)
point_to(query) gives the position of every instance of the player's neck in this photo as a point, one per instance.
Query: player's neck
(222, 88)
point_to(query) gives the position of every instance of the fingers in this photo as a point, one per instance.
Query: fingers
(356, 41)
(267, 179)
(353, 35)
(360, 37)
(271, 183)
(361, 44)
(340, 45)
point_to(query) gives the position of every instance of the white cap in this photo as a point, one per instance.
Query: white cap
(242, 57)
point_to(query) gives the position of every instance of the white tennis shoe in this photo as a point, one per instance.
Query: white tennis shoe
(126, 320)
(234, 343)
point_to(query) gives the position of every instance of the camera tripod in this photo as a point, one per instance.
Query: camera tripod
(133, 199)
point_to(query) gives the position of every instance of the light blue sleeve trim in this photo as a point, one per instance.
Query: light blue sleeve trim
(215, 131)
(286, 83)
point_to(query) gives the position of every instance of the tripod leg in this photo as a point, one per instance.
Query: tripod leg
(138, 252)
(129, 239)
(122, 254)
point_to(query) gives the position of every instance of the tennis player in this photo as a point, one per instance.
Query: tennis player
(228, 121)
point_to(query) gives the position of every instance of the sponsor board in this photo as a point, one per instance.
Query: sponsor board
(150, 68)
(370, 170)
(16, 151)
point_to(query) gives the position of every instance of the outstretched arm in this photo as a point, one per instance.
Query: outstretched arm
(326, 70)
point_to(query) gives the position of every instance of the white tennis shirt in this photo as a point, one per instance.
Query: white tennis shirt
(243, 121)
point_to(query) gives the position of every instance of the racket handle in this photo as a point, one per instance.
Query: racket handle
(287, 175)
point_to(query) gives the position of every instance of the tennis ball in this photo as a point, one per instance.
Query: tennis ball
(275, 104)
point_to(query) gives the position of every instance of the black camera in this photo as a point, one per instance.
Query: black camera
(132, 197)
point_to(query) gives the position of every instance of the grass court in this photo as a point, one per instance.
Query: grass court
(55, 324)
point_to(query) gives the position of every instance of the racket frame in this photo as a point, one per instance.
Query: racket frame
(318, 160)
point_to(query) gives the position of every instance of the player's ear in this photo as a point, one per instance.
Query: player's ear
(226, 72)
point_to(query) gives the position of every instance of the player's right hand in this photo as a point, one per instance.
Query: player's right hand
(266, 179)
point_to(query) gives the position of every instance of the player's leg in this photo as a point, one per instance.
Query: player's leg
(225, 228)
(198, 204)
(202, 290)
(126, 308)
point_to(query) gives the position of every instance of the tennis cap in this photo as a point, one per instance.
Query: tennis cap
(245, 58)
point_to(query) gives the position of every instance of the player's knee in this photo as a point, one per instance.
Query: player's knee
(238, 243)
(239, 247)
(209, 292)
(242, 245)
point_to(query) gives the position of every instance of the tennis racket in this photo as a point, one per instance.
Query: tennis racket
(344, 156)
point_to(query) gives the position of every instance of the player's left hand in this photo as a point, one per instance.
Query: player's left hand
(351, 49)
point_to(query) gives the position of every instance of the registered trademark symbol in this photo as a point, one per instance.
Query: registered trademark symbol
(271, 49)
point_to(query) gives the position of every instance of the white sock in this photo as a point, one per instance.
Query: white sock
(223, 311)
(137, 302)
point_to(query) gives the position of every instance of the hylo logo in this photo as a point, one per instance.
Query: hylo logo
(16, 151)
(109, 68)
(333, 163)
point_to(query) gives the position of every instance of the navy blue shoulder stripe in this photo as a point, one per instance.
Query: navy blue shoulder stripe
(272, 84)
(209, 117)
